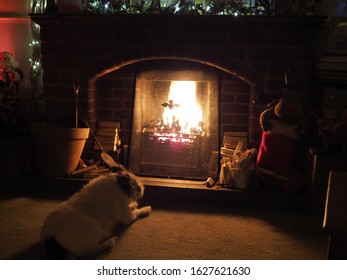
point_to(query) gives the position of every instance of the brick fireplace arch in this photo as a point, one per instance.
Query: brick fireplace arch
(111, 64)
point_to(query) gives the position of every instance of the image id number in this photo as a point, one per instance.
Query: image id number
(211, 270)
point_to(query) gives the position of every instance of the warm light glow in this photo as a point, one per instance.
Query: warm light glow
(185, 112)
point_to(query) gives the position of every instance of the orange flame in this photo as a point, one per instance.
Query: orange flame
(186, 111)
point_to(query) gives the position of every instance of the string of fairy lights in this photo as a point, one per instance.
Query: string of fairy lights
(182, 7)
(35, 73)
(166, 7)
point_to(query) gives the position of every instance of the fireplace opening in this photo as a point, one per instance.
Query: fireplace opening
(175, 124)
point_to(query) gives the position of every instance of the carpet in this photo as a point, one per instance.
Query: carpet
(176, 231)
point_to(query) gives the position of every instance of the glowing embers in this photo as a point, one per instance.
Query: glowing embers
(182, 117)
(168, 138)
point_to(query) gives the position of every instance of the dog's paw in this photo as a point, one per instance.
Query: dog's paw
(144, 211)
(133, 205)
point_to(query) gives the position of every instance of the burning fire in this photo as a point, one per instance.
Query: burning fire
(183, 113)
(182, 117)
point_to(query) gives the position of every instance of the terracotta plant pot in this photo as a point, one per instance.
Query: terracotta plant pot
(57, 150)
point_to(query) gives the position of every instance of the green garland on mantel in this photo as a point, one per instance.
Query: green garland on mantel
(181, 7)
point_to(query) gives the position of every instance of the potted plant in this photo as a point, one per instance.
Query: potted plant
(57, 149)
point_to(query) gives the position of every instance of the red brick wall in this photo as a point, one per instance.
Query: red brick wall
(252, 54)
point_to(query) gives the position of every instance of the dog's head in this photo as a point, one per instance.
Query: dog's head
(130, 184)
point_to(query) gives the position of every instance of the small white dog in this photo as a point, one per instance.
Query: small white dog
(85, 223)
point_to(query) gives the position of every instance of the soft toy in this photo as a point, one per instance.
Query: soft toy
(10, 77)
(281, 131)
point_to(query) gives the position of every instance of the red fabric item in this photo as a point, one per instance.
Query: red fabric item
(275, 155)
(275, 152)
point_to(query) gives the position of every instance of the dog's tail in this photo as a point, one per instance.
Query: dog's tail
(54, 249)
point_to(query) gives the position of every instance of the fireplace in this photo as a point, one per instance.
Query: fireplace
(175, 124)
(124, 61)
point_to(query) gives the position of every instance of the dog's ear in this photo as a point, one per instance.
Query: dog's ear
(123, 180)
(117, 167)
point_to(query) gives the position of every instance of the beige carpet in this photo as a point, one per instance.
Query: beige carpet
(178, 231)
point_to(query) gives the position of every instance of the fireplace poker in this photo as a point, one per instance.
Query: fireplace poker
(76, 87)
